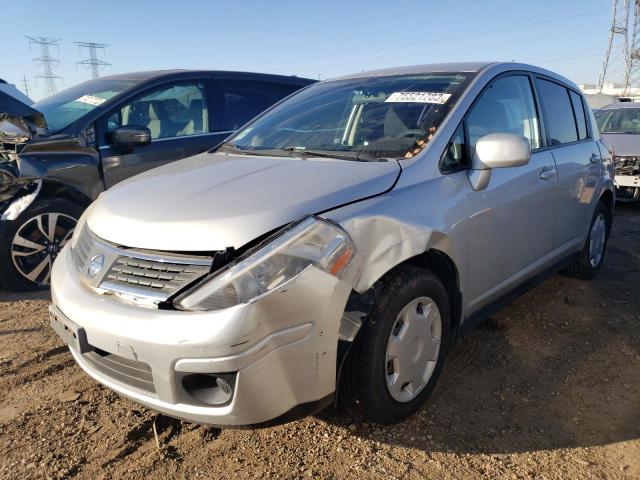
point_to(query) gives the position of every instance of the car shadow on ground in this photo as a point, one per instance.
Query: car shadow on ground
(559, 368)
(9, 296)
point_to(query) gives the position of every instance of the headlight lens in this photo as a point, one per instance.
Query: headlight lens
(311, 242)
(6, 178)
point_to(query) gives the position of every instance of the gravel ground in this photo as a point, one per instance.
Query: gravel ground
(547, 388)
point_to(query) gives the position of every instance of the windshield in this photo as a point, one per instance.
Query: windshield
(64, 108)
(622, 120)
(363, 119)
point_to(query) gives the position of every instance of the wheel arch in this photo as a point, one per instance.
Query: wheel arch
(443, 266)
(56, 189)
(608, 198)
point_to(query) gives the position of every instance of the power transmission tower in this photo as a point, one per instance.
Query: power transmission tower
(93, 62)
(46, 61)
(632, 74)
(25, 85)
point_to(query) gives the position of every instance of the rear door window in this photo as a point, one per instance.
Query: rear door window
(559, 119)
(245, 99)
(578, 110)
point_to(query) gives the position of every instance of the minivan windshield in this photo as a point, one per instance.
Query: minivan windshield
(621, 120)
(62, 109)
(355, 119)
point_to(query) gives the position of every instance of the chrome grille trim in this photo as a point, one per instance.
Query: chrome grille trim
(140, 276)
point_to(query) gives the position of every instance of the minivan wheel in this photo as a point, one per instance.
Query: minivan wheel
(591, 257)
(30, 243)
(399, 353)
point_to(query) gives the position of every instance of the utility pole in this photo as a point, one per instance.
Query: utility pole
(46, 61)
(25, 85)
(93, 62)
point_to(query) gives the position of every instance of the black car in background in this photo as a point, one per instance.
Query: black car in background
(58, 154)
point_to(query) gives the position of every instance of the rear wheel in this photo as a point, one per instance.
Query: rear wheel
(30, 244)
(591, 257)
(400, 351)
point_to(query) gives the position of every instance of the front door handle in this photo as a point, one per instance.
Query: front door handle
(547, 173)
(595, 158)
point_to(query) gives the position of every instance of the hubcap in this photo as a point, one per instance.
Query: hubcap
(37, 243)
(412, 349)
(597, 239)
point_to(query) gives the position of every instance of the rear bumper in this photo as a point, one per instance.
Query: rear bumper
(280, 351)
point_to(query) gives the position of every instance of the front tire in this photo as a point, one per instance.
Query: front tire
(399, 353)
(30, 243)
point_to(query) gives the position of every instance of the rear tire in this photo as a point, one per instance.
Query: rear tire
(28, 248)
(389, 374)
(591, 257)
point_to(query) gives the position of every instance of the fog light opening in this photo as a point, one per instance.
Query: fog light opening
(215, 390)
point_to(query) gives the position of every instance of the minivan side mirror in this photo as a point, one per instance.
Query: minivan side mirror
(497, 150)
(130, 136)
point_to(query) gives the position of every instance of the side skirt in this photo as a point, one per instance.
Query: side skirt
(485, 312)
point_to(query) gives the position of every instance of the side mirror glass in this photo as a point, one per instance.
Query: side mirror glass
(130, 136)
(497, 150)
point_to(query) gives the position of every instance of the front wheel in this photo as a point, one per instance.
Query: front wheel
(398, 355)
(30, 243)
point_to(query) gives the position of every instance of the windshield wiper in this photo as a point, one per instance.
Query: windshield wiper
(229, 147)
(337, 154)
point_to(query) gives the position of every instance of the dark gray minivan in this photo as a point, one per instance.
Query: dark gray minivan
(58, 154)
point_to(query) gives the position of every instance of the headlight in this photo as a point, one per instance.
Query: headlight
(6, 178)
(311, 242)
(82, 221)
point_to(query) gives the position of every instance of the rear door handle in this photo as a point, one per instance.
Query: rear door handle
(547, 173)
(595, 158)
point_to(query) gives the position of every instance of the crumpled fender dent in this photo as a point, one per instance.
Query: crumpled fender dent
(382, 242)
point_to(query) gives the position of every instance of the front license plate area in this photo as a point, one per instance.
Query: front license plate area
(73, 334)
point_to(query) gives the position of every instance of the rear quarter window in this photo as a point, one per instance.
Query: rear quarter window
(578, 109)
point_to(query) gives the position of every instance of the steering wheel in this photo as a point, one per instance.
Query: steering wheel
(413, 132)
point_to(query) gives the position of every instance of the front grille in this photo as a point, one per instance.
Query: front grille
(627, 166)
(142, 276)
(128, 372)
(161, 276)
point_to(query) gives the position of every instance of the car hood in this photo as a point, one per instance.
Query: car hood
(623, 144)
(216, 201)
(19, 122)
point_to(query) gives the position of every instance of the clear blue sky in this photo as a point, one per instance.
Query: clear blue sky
(323, 38)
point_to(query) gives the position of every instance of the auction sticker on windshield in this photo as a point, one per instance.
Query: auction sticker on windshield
(418, 97)
(91, 100)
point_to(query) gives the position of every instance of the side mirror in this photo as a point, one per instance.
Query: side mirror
(497, 150)
(130, 136)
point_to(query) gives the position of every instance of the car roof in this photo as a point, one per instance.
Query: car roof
(419, 69)
(156, 74)
(621, 105)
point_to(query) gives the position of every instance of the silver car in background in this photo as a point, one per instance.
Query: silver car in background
(619, 124)
(341, 241)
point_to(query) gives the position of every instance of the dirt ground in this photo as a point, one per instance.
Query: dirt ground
(548, 388)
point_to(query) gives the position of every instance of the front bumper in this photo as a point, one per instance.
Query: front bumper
(280, 350)
(627, 181)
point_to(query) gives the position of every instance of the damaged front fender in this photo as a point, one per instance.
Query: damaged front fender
(17, 195)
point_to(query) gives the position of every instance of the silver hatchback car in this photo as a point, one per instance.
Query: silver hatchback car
(341, 241)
